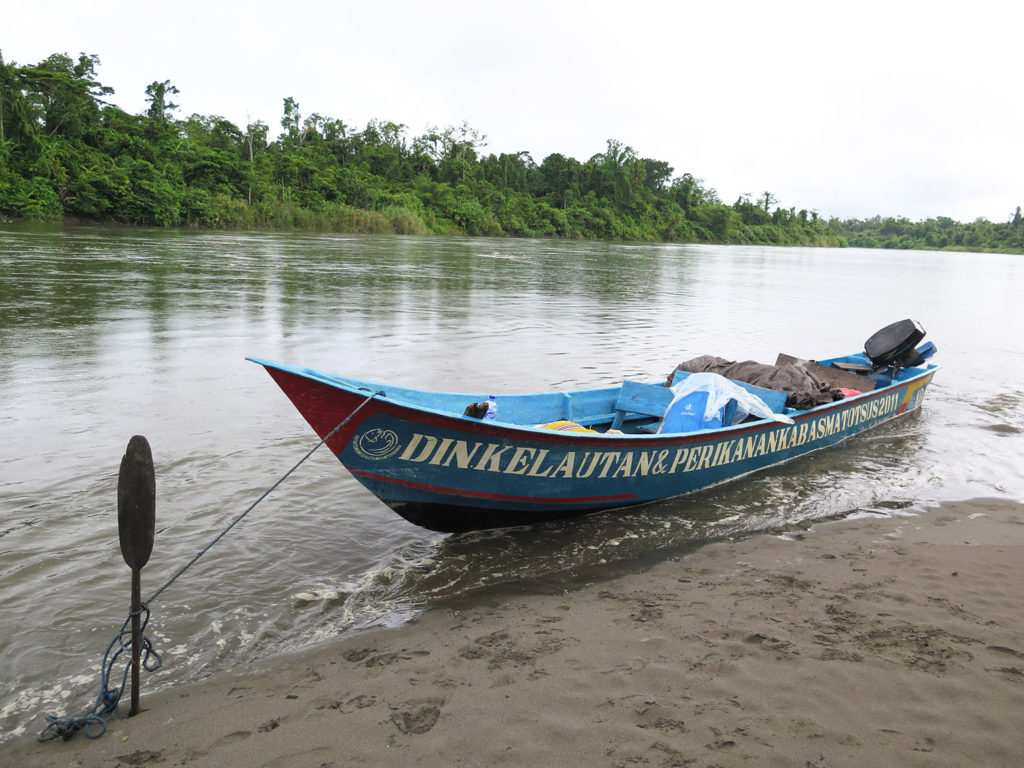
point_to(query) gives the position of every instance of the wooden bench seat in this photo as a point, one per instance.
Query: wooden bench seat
(645, 399)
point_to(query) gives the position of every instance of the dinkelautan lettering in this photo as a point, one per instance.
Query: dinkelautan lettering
(439, 453)
(409, 454)
(595, 463)
(582, 473)
(535, 470)
(520, 461)
(462, 453)
(608, 458)
(567, 465)
(625, 467)
(491, 460)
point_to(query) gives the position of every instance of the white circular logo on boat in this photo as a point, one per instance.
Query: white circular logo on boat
(376, 444)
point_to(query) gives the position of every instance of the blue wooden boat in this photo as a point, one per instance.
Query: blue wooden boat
(435, 466)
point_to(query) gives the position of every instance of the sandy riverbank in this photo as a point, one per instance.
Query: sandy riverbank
(885, 642)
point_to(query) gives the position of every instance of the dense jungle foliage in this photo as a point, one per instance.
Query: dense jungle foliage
(932, 234)
(67, 153)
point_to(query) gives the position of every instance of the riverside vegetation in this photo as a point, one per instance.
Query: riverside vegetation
(66, 153)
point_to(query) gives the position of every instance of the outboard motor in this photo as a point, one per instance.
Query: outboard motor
(894, 347)
(889, 346)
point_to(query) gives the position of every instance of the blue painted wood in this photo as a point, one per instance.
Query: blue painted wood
(637, 397)
(418, 453)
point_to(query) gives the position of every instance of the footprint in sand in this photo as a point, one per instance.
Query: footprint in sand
(141, 757)
(418, 715)
(1013, 674)
(346, 706)
(1007, 651)
(356, 655)
(384, 659)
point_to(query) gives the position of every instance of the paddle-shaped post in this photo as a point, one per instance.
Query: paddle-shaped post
(136, 526)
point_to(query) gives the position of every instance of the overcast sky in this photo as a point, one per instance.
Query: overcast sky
(852, 109)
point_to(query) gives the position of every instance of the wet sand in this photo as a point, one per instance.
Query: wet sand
(879, 641)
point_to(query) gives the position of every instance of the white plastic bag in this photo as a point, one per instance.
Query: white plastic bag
(720, 391)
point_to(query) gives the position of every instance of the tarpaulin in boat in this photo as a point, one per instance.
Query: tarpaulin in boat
(801, 388)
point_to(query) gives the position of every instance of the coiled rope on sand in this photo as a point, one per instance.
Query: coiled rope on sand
(93, 722)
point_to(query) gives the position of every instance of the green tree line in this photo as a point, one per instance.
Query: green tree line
(940, 233)
(65, 152)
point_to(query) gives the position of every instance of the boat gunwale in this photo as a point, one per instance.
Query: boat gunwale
(438, 417)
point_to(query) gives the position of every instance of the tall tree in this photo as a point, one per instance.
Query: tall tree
(157, 95)
(291, 120)
(455, 150)
(66, 93)
(767, 200)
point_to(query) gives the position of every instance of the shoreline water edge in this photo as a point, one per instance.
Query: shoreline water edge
(873, 640)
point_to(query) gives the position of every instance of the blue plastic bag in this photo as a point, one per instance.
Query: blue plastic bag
(690, 412)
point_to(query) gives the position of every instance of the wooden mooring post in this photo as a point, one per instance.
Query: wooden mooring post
(136, 526)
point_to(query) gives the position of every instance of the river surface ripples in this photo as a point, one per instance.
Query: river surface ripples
(106, 333)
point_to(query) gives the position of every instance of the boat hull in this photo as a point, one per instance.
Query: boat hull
(451, 473)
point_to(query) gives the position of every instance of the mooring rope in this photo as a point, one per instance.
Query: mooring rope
(93, 723)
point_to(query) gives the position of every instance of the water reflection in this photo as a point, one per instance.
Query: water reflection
(82, 277)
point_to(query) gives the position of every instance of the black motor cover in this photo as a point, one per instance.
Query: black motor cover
(893, 343)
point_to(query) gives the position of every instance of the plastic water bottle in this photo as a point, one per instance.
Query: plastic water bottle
(492, 408)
